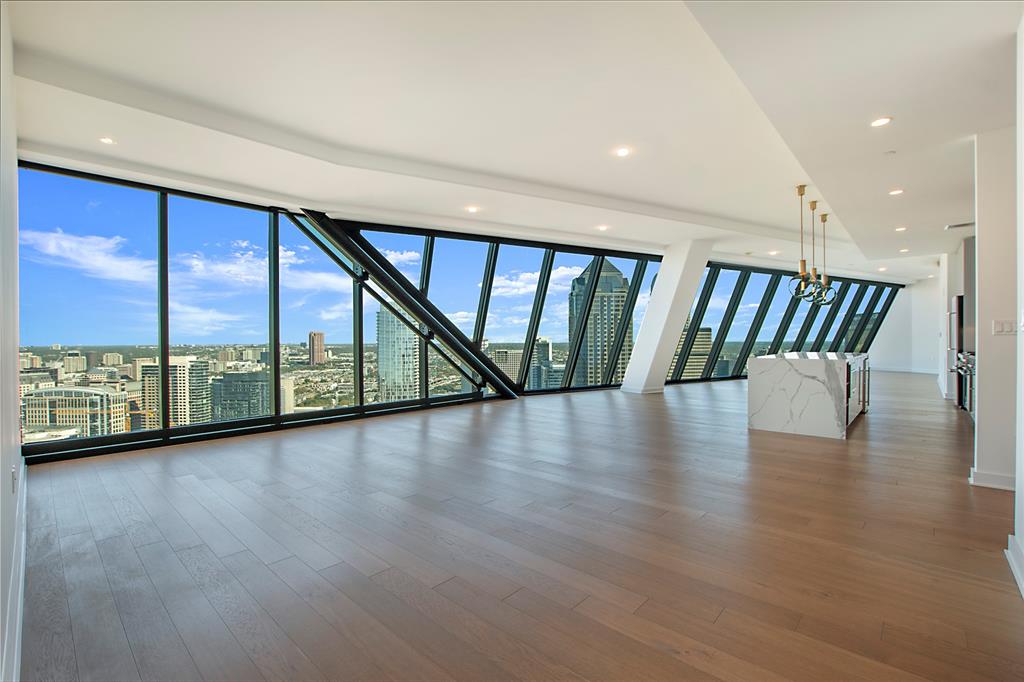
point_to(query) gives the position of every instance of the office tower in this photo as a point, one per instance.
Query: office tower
(540, 366)
(90, 411)
(265, 357)
(250, 354)
(112, 359)
(125, 370)
(398, 359)
(508, 360)
(190, 392)
(93, 357)
(287, 395)
(316, 348)
(238, 395)
(31, 381)
(601, 324)
(227, 355)
(136, 405)
(137, 364)
(74, 361)
(698, 354)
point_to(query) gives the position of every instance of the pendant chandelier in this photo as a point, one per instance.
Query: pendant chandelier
(807, 285)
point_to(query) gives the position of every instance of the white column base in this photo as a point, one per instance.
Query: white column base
(642, 390)
(1015, 555)
(990, 480)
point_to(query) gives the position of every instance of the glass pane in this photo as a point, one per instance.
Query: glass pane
(770, 326)
(603, 323)
(90, 249)
(317, 364)
(219, 312)
(857, 317)
(789, 340)
(455, 275)
(710, 324)
(404, 251)
(444, 378)
(512, 294)
(562, 305)
(391, 355)
(639, 309)
(872, 323)
(686, 325)
(736, 335)
(840, 316)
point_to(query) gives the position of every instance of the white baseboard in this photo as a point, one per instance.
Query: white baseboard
(639, 391)
(1015, 555)
(908, 370)
(15, 591)
(990, 480)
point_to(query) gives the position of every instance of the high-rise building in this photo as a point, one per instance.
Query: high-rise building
(74, 361)
(137, 364)
(227, 355)
(112, 359)
(190, 392)
(317, 356)
(508, 360)
(32, 381)
(398, 359)
(26, 360)
(698, 354)
(287, 395)
(601, 324)
(540, 366)
(91, 411)
(238, 395)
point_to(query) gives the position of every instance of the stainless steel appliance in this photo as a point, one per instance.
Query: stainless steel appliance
(966, 370)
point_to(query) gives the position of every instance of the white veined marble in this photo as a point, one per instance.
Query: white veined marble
(803, 393)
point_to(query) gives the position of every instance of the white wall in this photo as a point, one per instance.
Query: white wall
(995, 190)
(12, 501)
(911, 337)
(1015, 551)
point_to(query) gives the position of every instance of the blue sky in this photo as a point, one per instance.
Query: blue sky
(88, 255)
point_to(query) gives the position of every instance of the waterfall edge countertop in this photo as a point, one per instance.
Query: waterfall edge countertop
(811, 394)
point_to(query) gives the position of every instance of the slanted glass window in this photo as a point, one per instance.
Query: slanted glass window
(219, 312)
(686, 325)
(512, 295)
(643, 298)
(89, 324)
(563, 306)
(317, 357)
(738, 331)
(770, 327)
(844, 307)
(869, 329)
(855, 319)
(710, 324)
(799, 317)
(404, 251)
(607, 314)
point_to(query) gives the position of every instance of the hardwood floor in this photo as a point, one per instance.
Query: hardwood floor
(593, 535)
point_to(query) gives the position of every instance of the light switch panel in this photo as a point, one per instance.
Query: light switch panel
(1004, 327)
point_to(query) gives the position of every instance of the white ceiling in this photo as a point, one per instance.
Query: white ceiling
(407, 112)
(823, 71)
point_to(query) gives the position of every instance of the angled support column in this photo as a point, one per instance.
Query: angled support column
(344, 236)
(674, 289)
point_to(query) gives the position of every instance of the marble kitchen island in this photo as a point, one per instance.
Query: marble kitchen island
(811, 394)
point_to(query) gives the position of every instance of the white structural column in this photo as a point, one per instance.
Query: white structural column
(674, 289)
(12, 468)
(1015, 550)
(995, 190)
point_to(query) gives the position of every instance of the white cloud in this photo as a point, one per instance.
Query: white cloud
(461, 317)
(245, 268)
(401, 257)
(562, 277)
(336, 311)
(515, 283)
(95, 256)
(193, 320)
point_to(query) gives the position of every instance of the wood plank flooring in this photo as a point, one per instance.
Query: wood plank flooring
(586, 536)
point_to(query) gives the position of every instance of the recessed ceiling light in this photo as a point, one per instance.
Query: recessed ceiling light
(602, 228)
(894, 192)
(472, 209)
(622, 152)
(879, 122)
(773, 253)
(904, 250)
(107, 140)
(901, 229)
(882, 269)
(931, 276)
